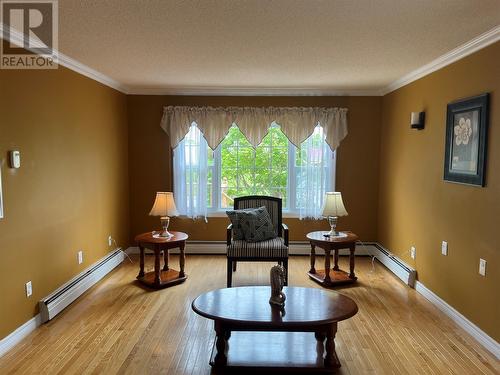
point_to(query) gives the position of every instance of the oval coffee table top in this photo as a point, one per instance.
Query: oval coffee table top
(247, 305)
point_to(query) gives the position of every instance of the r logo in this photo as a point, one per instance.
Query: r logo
(29, 28)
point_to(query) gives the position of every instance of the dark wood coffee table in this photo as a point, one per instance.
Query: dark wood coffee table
(262, 336)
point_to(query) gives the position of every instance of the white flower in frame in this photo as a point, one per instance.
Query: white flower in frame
(463, 131)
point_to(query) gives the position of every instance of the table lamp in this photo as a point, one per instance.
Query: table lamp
(164, 207)
(333, 207)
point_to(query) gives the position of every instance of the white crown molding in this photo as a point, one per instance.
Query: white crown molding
(251, 91)
(70, 63)
(87, 71)
(456, 54)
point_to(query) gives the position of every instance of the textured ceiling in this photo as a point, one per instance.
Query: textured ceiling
(351, 45)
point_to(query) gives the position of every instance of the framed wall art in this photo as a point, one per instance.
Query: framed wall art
(466, 140)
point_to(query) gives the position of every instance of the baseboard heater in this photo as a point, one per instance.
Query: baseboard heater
(53, 304)
(397, 266)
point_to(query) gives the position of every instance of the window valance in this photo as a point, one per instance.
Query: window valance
(297, 123)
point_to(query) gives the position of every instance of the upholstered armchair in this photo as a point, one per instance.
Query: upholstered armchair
(275, 249)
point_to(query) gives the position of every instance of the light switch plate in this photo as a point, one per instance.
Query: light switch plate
(29, 289)
(80, 257)
(482, 267)
(413, 252)
(444, 248)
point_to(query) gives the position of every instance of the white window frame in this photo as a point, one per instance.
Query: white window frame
(292, 209)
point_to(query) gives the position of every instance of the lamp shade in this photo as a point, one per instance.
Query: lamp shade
(333, 205)
(164, 205)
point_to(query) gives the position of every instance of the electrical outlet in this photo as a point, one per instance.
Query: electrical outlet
(29, 289)
(80, 257)
(482, 267)
(110, 240)
(444, 248)
(413, 252)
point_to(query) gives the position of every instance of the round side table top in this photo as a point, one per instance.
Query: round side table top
(318, 237)
(150, 237)
(247, 305)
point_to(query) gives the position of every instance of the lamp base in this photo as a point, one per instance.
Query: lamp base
(335, 234)
(165, 221)
(165, 234)
(332, 220)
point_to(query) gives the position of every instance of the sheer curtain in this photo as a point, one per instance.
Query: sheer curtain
(311, 173)
(315, 173)
(190, 174)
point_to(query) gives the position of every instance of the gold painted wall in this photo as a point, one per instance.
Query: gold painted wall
(418, 208)
(357, 163)
(83, 176)
(71, 191)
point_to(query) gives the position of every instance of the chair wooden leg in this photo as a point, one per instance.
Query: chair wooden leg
(285, 265)
(229, 273)
(234, 266)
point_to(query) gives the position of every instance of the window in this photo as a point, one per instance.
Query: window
(249, 171)
(275, 167)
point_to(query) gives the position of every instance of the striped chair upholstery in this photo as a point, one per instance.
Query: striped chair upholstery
(275, 249)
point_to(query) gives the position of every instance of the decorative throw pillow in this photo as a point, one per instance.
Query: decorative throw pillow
(236, 217)
(257, 225)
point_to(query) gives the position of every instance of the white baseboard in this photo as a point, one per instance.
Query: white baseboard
(63, 296)
(489, 343)
(400, 269)
(20, 333)
(219, 247)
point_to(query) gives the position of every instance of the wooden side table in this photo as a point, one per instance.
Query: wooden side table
(335, 276)
(165, 277)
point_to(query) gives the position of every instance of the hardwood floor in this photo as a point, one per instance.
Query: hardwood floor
(118, 327)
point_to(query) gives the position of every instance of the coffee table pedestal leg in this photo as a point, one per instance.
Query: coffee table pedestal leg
(220, 345)
(320, 336)
(331, 359)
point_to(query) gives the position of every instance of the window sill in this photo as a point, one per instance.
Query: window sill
(222, 213)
